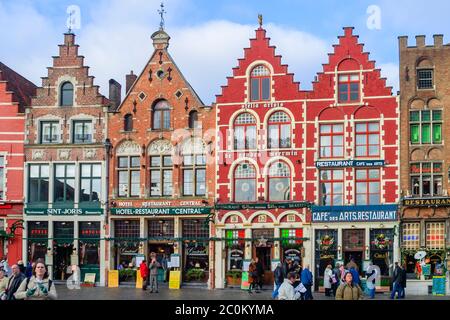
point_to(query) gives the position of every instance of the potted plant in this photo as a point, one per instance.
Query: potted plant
(234, 277)
(195, 274)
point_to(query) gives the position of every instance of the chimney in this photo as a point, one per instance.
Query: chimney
(403, 42)
(438, 40)
(130, 80)
(420, 41)
(69, 39)
(115, 94)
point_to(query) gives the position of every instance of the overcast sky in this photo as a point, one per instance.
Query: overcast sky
(209, 36)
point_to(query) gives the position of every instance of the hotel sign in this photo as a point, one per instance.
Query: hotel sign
(263, 206)
(428, 202)
(159, 211)
(350, 164)
(376, 213)
(63, 212)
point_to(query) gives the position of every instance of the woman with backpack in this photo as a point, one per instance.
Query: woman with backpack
(38, 287)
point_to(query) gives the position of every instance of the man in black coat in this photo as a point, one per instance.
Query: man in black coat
(403, 281)
(260, 272)
(14, 282)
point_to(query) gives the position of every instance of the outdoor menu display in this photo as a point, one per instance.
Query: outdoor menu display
(439, 285)
(244, 284)
(175, 280)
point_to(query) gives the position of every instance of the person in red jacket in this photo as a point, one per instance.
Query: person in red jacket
(143, 268)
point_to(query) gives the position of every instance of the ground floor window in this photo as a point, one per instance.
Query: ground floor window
(196, 251)
(326, 252)
(89, 244)
(37, 240)
(381, 249)
(235, 249)
(161, 228)
(126, 245)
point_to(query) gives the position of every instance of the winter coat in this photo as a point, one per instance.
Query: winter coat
(143, 268)
(346, 292)
(251, 273)
(154, 268)
(327, 278)
(21, 293)
(307, 277)
(3, 284)
(13, 285)
(278, 275)
(403, 278)
(397, 276)
(286, 291)
(259, 268)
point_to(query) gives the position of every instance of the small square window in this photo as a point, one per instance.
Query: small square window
(178, 94)
(142, 96)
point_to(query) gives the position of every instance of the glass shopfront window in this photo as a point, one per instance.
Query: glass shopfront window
(37, 240)
(235, 249)
(381, 249)
(326, 251)
(291, 246)
(196, 252)
(89, 234)
(126, 243)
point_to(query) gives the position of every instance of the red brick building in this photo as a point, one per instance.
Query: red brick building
(352, 161)
(260, 188)
(15, 96)
(162, 172)
(65, 176)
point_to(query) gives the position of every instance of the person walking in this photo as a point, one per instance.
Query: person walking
(287, 291)
(349, 290)
(371, 284)
(307, 281)
(396, 282)
(38, 287)
(342, 274)
(327, 280)
(260, 271)
(21, 266)
(143, 269)
(14, 282)
(3, 282)
(403, 281)
(154, 265)
(278, 279)
(336, 278)
(252, 276)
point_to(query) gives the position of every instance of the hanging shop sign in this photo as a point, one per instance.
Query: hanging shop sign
(260, 206)
(374, 213)
(350, 164)
(428, 202)
(63, 212)
(159, 211)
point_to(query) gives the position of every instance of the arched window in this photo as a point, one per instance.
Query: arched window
(260, 83)
(245, 183)
(161, 115)
(193, 120)
(245, 132)
(279, 131)
(279, 182)
(66, 95)
(128, 123)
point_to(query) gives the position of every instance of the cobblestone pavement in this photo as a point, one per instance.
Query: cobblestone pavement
(127, 293)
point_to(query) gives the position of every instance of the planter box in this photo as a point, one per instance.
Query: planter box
(88, 285)
(234, 281)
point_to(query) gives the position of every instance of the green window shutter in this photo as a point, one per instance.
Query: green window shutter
(437, 133)
(415, 133)
(426, 133)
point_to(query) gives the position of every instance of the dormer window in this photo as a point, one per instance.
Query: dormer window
(260, 84)
(348, 88)
(66, 95)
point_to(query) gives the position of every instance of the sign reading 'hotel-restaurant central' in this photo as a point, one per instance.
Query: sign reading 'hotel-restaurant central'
(154, 208)
(355, 213)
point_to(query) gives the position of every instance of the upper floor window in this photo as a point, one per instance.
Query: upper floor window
(348, 88)
(425, 79)
(245, 132)
(332, 141)
(38, 183)
(49, 132)
(279, 182)
(161, 168)
(332, 187)
(161, 115)
(279, 131)
(2, 178)
(129, 175)
(368, 139)
(245, 183)
(64, 183)
(260, 84)
(128, 123)
(193, 120)
(435, 235)
(66, 95)
(194, 175)
(82, 131)
(91, 183)
(426, 127)
(368, 187)
(426, 179)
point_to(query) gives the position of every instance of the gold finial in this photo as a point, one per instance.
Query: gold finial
(260, 20)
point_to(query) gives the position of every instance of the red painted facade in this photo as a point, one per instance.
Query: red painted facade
(15, 95)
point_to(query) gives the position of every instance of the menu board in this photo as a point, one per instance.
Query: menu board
(245, 285)
(139, 280)
(113, 278)
(426, 270)
(175, 280)
(89, 278)
(439, 285)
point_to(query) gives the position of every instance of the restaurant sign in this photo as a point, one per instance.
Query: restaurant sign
(259, 206)
(159, 211)
(350, 164)
(375, 213)
(428, 202)
(63, 212)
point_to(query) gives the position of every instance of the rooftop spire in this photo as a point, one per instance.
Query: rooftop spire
(260, 20)
(161, 13)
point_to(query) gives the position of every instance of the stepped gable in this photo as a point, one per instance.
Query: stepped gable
(20, 89)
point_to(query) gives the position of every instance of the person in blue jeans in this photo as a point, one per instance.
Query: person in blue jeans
(279, 279)
(396, 282)
(307, 281)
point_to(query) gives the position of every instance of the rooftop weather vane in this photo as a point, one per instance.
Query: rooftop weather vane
(260, 20)
(70, 21)
(161, 13)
